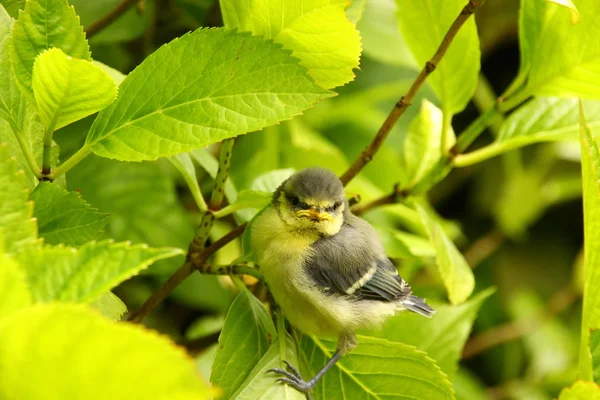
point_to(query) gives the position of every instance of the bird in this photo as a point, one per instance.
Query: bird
(325, 267)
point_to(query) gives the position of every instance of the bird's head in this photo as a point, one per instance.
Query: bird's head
(312, 199)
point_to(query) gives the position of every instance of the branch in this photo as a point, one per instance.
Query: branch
(513, 330)
(192, 263)
(391, 198)
(109, 18)
(405, 101)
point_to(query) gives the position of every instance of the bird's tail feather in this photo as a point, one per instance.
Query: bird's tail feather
(418, 305)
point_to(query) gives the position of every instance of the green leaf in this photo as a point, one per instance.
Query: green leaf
(110, 306)
(399, 244)
(11, 101)
(68, 89)
(206, 86)
(13, 6)
(355, 10)
(64, 217)
(246, 199)
(125, 359)
(572, 9)
(16, 211)
(14, 293)
(441, 337)
(261, 385)
(117, 76)
(559, 58)
(142, 201)
(590, 169)
(380, 34)
(85, 274)
(420, 146)
(455, 78)
(270, 181)
(595, 350)
(317, 31)
(376, 369)
(244, 340)
(184, 164)
(42, 25)
(581, 391)
(454, 270)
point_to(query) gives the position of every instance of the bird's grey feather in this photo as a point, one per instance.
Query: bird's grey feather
(352, 263)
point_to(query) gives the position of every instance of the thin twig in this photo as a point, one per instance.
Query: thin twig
(109, 18)
(405, 101)
(483, 247)
(192, 263)
(391, 198)
(513, 330)
(235, 269)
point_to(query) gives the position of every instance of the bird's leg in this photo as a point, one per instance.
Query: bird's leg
(293, 378)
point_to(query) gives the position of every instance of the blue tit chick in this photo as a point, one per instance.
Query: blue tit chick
(325, 267)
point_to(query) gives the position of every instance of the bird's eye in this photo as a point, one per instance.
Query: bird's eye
(294, 200)
(337, 204)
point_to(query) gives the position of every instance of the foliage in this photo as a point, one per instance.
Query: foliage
(135, 154)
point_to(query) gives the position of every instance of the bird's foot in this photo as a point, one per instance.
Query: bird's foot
(293, 378)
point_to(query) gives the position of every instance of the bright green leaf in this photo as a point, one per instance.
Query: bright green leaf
(572, 9)
(246, 199)
(199, 89)
(64, 217)
(67, 89)
(317, 31)
(455, 78)
(117, 76)
(595, 350)
(376, 369)
(14, 293)
(110, 306)
(420, 148)
(261, 385)
(245, 339)
(454, 270)
(590, 168)
(85, 274)
(184, 164)
(56, 343)
(16, 211)
(441, 337)
(355, 10)
(142, 201)
(559, 58)
(581, 391)
(270, 181)
(380, 34)
(44, 24)
(399, 244)
(13, 6)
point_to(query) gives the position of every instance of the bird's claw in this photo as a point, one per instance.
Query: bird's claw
(293, 378)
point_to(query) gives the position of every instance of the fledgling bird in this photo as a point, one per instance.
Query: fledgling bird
(325, 267)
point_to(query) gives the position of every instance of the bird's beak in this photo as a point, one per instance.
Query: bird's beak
(315, 215)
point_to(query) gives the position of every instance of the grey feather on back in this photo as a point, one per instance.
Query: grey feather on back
(353, 263)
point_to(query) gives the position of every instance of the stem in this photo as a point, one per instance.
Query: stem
(193, 262)
(512, 102)
(446, 123)
(391, 198)
(281, 335)
(109, 18)
(29, 157)
(468, 136)
(477, 156)
(237, 269)
(485, 99)
(47, 155)
(70, 163)
(404, 102)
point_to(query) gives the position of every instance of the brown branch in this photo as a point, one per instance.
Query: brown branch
(194, 261)
(405, 101)
(483, 247)
(109, 18)
(513, 330)
(391, 198)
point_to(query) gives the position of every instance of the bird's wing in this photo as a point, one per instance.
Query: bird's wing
(351, 263)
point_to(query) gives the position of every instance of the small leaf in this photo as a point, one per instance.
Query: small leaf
(261, 385)
(246, 199)
(199, 89)
(64, 217)
(43, 25)
(454, 270)
(399, 244)
(16, 211)
(441, 337)
(572, 9)
(184, 164)
(559, 58)
(14, 293)
(110, 306)
(85, 274)
(270, 181)
(595, 350)
(355, 10)
(420, 146)
(581, 391)
(244, 340)
(68, 89)
(590, 168)
(455, 78)
(317, 31)
(60, 341)
(374, 369)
